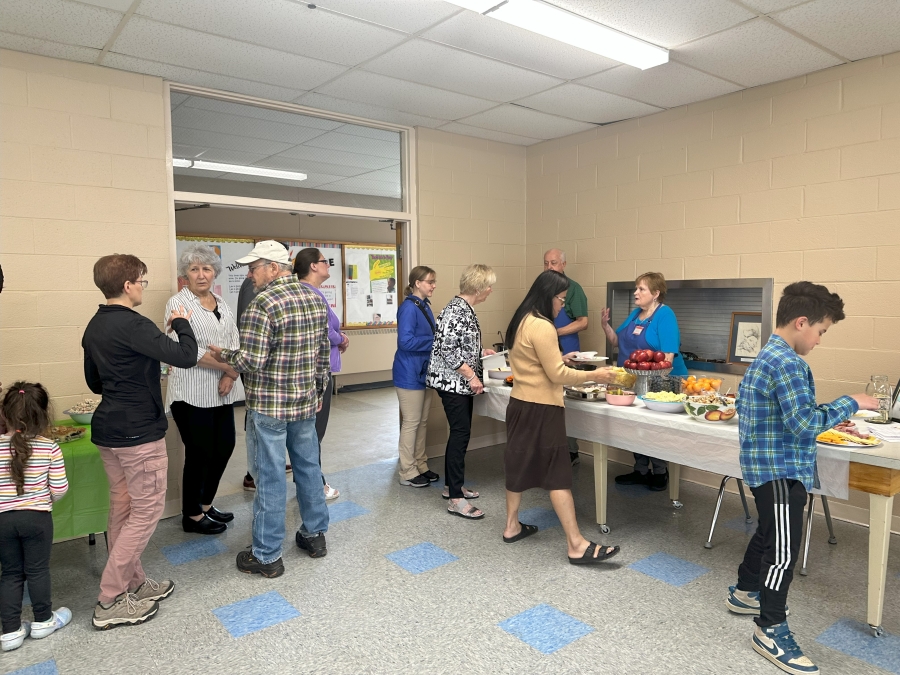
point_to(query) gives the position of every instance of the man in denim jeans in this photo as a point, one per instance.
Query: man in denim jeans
(284, 355)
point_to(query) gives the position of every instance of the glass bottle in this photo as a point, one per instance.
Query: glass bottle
(880, 388)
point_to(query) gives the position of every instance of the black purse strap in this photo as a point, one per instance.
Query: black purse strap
(424, 312)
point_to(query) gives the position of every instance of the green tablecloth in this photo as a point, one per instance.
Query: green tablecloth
(85, 507)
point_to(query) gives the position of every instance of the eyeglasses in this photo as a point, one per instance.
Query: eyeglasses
(561, 299)
(323, 260)
(253, 268)
(143, 283)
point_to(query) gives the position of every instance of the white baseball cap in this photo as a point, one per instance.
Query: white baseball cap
(268, 249)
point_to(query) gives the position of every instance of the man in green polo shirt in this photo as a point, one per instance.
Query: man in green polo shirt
(571, 321)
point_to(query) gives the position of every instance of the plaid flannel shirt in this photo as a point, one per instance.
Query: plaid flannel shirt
(284, 350)
(779, 419)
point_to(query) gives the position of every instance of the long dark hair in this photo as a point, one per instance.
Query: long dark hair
(26, 409)
(538, 301)
(304, 261)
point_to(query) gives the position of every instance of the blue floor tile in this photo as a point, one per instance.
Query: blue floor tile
(253, 614)
(545, 628)
(740, 524)
(43, 668)
(674, 571)
(344, 510)
(421, 557)
(188, 551)
(542, 517)
(855, 639)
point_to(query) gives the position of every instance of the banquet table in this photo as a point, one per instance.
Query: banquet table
(715, 447)
(84, 509)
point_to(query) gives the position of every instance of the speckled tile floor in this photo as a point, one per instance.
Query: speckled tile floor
(455, 598)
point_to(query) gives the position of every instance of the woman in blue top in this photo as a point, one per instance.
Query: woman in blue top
(415, 335)
(652, 325)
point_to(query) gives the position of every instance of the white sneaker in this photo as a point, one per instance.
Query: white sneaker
(331, 493)
(61, 617)
(14, 640)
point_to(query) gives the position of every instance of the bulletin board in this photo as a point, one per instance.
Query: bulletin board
(370, 285)
(228, 284)
(333, 287)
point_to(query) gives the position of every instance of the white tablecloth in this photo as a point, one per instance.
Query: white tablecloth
(677, 438)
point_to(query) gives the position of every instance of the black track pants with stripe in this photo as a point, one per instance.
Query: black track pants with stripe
(771, 555)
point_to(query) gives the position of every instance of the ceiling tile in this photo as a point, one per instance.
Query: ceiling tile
(371, 132)
(404, 15)
(176, 99)
(247, 127)
(437, 65)
(663, 22)
(525, 122)
(499, 136)
(855, 30)
(587, 104)
(310, 166)
(389, 92)
(754, 53)
(366, 110)
(60, 21)
(505, 42)
(331, 156)
(274, 24)
(767, 6)
(217, 154)
(211, 139)
(200, 78)
(178, 46)
(21, 43)
(362, 186)
(669, 85)
(364, 146)
(259, 113)
(117, 5)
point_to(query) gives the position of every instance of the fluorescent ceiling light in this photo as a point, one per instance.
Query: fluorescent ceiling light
(559, 24)
(237, 168)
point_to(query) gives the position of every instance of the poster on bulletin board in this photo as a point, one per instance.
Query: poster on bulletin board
(332, 288)
(370, 285)
(228, 284)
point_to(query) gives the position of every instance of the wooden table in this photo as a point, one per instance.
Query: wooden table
(715, 448)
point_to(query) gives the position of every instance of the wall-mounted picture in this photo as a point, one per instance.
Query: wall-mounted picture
(745, 339)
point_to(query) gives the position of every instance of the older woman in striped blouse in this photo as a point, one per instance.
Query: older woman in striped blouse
(202, 398)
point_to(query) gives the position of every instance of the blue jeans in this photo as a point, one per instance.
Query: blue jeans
(266, 441)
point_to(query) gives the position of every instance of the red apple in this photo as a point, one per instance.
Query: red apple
(659, 357)
(643, 365)
(641, 356)
(634, 355)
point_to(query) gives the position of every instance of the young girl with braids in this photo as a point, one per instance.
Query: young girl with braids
(32, 477)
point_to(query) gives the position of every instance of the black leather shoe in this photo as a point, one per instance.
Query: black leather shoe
(219, 516)
(202, 526)
(633, 478)
(658, 481)
(431, 476)
(315, 546)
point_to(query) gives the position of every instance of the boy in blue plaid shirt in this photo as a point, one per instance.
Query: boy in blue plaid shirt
(779, 421)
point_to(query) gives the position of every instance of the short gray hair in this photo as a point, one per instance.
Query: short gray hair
(201, 254)
(476, 279)
(562, 254)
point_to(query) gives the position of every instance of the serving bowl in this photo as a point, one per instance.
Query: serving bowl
(663, 406)
(711, 408)
(624, 399)
(499, 373)
(80, 418)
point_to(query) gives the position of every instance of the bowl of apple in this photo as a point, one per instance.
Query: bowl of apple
(647, 361)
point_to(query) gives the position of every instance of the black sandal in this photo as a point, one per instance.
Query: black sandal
(526, 531)
(588, 559)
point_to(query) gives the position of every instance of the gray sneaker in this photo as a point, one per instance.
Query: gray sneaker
(154, 590)
(127, 610)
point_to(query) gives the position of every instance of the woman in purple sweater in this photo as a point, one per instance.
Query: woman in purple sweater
(313, 269)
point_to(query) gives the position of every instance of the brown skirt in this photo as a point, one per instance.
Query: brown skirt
(537, 453)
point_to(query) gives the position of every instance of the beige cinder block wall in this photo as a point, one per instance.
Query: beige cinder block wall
(795, 180)
(82, 174)
(471, 196)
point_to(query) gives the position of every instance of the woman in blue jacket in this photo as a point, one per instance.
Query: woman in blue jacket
(652, 325)
(415, 335)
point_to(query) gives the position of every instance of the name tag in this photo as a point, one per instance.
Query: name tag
(638, 330)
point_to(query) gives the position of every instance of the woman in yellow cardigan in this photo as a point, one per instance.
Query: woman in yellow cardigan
(537, 453)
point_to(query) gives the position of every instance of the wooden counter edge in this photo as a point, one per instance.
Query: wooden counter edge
(876, 480)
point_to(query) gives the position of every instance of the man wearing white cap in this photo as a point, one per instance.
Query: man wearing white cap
(284, 355)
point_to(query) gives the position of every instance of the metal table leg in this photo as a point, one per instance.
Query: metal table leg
(712, 527)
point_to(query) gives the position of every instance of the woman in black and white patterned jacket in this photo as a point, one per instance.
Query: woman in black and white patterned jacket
(455, 372)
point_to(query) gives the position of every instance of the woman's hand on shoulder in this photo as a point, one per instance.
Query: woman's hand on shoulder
(178, 313)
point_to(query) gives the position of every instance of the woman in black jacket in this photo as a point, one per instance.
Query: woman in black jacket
(122, 351)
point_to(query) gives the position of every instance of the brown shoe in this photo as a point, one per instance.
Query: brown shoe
(249, 484)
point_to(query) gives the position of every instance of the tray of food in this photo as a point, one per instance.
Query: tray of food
(664, 401)
(586, 392)
(848, 435)
(83, 413)
(66, 434)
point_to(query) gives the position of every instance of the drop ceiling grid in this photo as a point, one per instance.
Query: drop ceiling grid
(444, 67)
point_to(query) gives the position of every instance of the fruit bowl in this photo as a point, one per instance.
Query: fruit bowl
(80, 418)
(711, 408)
(625, 398)
(663, 406)
(642, 385)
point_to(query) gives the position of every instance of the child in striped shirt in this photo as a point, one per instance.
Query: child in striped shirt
(32, 477)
